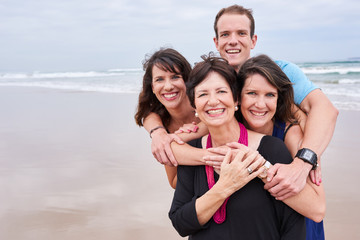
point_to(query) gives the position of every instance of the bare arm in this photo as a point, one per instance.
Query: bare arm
(319, 128)
(233, 176)
(321, 120)
(160, 144)
(320, 124)
(310, 202)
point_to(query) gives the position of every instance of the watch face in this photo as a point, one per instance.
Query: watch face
(308, 154)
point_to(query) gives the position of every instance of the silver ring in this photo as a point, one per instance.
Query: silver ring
(249, 170)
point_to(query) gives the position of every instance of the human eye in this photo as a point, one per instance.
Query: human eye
(176, 76)
(201, 95)
(242, 33)
(270, 95)
(224, 34)
(251, 93)
(159, 79)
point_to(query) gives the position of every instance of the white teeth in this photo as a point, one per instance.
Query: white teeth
(170, 95)
(233, 51)
(258, 114)
(215, 111)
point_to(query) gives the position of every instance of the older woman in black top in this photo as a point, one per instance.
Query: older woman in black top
(230, 203)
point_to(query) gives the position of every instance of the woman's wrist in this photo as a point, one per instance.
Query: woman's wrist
(154, 129)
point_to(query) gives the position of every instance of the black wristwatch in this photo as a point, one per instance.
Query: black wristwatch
(308, 156)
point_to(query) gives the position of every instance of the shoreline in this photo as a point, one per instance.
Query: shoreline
(74, 165)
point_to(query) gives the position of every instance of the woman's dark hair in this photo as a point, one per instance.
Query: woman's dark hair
(267, 68)
(202, 69)
(166, 59)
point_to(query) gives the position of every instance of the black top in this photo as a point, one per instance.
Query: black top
(251, 212)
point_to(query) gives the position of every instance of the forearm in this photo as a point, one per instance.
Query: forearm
(152, 121)
(320, 123)
(310, 202)
(171, 173)
(210, 202)
(188, 155)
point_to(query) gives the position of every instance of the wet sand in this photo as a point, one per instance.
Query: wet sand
(73, 165)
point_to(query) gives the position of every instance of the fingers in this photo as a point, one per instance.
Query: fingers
(188, 128)
(255, 166)
(285, 196)
(235, 145)
(227, 158)
(170, 159)
(281, 193)
(177, 139)
(219, 150)
(271, 173)
(312, 176)
(213, 158)
(315, 176)
(318, 176)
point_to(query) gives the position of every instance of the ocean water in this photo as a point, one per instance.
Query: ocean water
(340, 81)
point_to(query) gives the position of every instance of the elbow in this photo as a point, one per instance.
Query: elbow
(319, 214)
(173, 182)
(182, 232)
(334, 112)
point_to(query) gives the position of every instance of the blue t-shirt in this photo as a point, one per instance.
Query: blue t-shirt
(302, 85)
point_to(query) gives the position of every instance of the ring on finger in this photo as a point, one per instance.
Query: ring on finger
(249, 170)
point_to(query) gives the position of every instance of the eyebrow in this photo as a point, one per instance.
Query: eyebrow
(205, 90)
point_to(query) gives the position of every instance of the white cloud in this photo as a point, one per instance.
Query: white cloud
(83, 35)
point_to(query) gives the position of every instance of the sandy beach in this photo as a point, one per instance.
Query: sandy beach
(73, 165)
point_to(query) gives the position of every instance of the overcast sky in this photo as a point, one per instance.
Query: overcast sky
(83, 35)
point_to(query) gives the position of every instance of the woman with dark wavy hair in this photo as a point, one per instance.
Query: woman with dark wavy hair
(266, 100)
(164, 94)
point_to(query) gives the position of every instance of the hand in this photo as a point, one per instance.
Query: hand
(234, 172)
(220, 152)
(187, 128)
(160, 147)
(315, 175)
(286, 180)
(218, 157)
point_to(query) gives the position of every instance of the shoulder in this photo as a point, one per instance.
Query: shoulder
(291, 70)
(254, 139)
(301, 84)
(274, 150)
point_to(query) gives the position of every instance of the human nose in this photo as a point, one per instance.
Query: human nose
(260, 102)
(213, 101)
(168, 85)
(233, 39)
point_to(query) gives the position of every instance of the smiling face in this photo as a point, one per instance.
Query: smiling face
(258, 103)
(168, 87)
(214, 101)
(234, 41)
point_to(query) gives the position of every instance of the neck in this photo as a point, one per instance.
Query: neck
(220, 135)
(266, 129)
(181, 115)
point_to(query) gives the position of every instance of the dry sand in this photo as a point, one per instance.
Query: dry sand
(73, 165)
